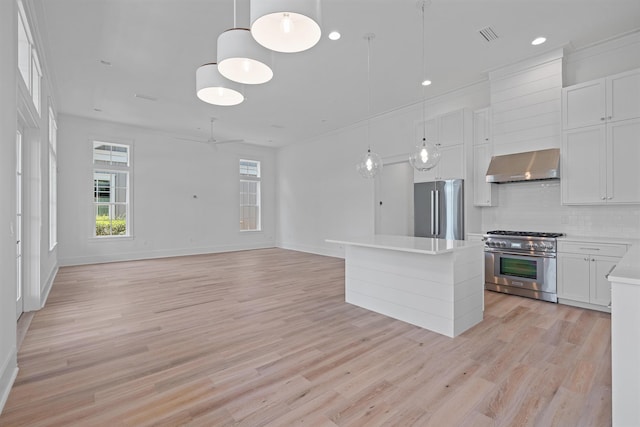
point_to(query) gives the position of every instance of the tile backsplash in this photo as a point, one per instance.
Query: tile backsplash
(536, 206)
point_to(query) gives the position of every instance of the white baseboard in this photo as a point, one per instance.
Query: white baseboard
(162, 253)
(8, 374)
(44, 294)
(337, 252)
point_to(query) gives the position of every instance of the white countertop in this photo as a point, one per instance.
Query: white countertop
(628, 269)
(585, 239)
(419, 245)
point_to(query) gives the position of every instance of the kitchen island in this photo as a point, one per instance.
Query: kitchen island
(436, 284)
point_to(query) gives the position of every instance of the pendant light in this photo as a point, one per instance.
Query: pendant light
(371, 163)
(426, 154)
(286, 25)
(213, 88)
(240, 58)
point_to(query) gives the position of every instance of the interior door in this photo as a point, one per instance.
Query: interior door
(18, 228)
(394, 200)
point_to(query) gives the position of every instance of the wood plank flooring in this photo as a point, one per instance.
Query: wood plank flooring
(264, 338)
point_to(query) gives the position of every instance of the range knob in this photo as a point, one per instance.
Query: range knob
(503, 244)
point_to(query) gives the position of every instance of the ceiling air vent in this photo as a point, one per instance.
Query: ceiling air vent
(488, 34)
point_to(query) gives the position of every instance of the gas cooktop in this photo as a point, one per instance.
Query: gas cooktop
(524, 233)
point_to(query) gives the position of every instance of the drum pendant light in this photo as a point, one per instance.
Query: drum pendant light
(286, 25)
(240, 58)
(213, 88)
(371, 163)
(425, 155)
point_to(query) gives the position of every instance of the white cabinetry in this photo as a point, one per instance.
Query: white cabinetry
(608, 99)
(601, 141)
(582, 273)
(600, 164)
(447, 132)
(484, 193)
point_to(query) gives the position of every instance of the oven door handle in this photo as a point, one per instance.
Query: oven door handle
(525, 254)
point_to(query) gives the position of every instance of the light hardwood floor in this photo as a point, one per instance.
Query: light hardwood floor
(265, 338)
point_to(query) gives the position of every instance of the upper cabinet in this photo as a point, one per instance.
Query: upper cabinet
(600, 101)
(484, 193)
(447, 132)
(601, 141)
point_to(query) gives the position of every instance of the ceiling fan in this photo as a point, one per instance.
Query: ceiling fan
(212, 141)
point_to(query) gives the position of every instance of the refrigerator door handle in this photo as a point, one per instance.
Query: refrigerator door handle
(433, 223)
(437, 212)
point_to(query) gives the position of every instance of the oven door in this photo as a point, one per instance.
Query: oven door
(519, 270)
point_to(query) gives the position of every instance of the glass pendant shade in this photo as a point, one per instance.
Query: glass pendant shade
(370, 165)
(241, 59)
(213, 88)
(286, 25)
(425, 156)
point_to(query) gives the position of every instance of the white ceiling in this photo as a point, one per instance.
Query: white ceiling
(155, 47)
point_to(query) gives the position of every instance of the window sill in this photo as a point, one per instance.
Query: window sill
(110, 238)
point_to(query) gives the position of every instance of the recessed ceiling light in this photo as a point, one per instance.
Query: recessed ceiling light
(106, 63)
(334, 35)
(147, 97)
(97, 110)
(426, 82)
(538, 40)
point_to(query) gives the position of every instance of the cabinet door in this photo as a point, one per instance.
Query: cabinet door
(451, 128)
(481, 125)
(481, 188)
(451, 165)
(573, 277)
(584, 104)
(623, 161)
(623, 96)
(600, 292)
(583, 171)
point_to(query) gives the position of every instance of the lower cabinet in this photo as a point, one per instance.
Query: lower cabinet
(583, 270)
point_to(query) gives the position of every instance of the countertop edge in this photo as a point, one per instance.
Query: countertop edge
(390, 248)
(628, 269)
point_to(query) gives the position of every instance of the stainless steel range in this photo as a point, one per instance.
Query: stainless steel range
(521, 263)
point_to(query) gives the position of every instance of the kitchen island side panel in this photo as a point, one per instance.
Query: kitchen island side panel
(417, 288)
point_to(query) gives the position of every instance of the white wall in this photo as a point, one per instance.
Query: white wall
(8, 66)
(322, 196)
(167, 219)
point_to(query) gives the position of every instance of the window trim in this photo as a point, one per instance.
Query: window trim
(115, 169)
(53, 179)
(34, 66)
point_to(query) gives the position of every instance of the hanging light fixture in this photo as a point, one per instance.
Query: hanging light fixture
(426, 154)
(286, 25)
(213, 88)
(371, 164)
(240, 58)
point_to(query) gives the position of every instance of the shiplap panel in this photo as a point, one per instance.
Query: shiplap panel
(518, 79)
(526, 123)
(526, 107)
(402, 283)
(552, 94)
(553, 105)
(528, 88)
(435, 306)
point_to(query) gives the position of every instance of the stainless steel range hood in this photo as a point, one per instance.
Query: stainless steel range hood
(529, 166)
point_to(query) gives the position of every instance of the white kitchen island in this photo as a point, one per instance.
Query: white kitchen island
(432, 283)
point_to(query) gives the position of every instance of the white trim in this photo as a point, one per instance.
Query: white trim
(328, 250)
(162, 253)
(44, 294)
(8, 374)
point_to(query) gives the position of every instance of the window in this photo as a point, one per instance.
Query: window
(249, 195)
(111, 184)
(53, 180)
(28, 62)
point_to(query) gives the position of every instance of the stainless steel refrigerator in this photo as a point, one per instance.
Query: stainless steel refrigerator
(439, 209)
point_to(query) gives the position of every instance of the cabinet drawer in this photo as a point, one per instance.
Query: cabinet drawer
(605, 249)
